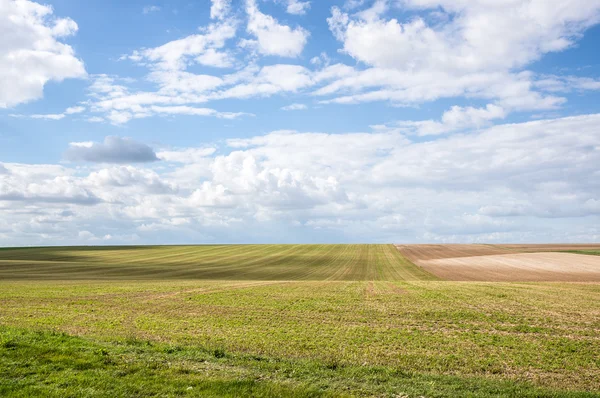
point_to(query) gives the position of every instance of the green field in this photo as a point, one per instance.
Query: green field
(590, 252)
(284, 320)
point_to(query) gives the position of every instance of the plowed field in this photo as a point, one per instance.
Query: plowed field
(508, 263)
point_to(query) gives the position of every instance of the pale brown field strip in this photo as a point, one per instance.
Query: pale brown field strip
(519, 267)
(415, 253)
(418, 252)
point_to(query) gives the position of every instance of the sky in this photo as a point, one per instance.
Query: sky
(299, 121)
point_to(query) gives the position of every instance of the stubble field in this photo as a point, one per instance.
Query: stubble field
(287, 320)
(507, 263)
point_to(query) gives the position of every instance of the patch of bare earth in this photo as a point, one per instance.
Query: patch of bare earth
(517, 267)
(415, 253)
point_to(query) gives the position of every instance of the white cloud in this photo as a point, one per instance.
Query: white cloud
(49, 116)
(455, 119)
(212, 57)
(297, 7)
(294, 107)
(203, 48)
(272, 38)
(52, 116)
(220, 8)
(74, 109)
(321, 60)
(188, 110)
(42, 184)
(564, 84)
(521, 32)
(405, 63)
(140, 180)
(422, 59)
(188, 155)
(179, 90)
(31, 53)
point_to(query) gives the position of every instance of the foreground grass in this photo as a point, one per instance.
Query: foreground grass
(57, 365)
(500, 332)
(315, 321)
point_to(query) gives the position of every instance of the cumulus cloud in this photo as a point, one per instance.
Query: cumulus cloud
(147, 181)
(405, 61)
(508, 182)
(74, 110)
(455, 119)
(112, 150)
(522, 31)
(421, 58)
(200, 48)
(273, 38)
(46, 184)
(31, 51)
(297, 7)
(187, 155)
(219, 8)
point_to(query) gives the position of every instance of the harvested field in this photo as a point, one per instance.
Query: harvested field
(519, 267)
(416, 253)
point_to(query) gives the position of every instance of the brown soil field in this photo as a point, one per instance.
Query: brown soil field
(416, 253)
(511, 262)
(519, 267)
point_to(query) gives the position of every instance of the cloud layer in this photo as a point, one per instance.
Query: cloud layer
(512, 182)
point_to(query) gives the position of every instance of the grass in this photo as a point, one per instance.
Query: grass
(311, 321)
(54, 364)
(589, 252)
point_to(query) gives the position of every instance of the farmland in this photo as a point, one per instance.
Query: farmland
(509, 263)
(293, 320)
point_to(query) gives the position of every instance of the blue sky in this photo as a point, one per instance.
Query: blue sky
(299, 121)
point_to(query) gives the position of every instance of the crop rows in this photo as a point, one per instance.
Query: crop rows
(236, 262)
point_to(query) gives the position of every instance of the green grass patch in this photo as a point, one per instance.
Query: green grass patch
(54, 364)
(588, 252)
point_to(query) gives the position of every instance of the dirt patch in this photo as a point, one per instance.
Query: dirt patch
(415, 253)
(519, 267)
(395, 288)
(370, 289)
